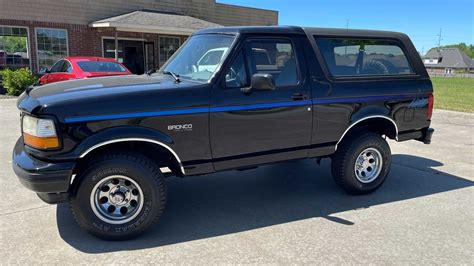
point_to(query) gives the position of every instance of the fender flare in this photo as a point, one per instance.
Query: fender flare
(128, 134)
(136, 139)
(367, 118)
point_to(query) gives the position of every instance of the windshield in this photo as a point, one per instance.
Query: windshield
(199, 57)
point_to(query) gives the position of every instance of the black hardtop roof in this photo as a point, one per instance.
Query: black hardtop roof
(301, 30)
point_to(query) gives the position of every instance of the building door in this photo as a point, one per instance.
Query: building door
(130, 53)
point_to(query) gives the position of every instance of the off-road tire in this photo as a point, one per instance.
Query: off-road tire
(343, 162)
(134, 166)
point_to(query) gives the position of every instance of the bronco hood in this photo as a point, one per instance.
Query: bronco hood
(81, 85)
(76, 96)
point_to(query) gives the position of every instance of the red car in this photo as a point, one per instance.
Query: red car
(82, 67)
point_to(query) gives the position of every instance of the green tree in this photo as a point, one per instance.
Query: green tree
(13, 44)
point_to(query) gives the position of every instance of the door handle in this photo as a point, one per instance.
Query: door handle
(298, 96)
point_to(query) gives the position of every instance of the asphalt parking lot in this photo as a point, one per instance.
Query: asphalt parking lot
(285, 213)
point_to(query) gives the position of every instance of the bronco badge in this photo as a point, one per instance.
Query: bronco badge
(183, 127)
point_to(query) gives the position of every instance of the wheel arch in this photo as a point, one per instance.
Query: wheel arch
(374, 123)
(147, 140)
(153, 143)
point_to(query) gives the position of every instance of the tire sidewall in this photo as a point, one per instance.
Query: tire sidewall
(80, 201)
(378, 143)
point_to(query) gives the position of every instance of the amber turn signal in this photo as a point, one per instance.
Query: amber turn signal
(40, 142)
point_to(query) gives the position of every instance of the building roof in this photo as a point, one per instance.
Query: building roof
(154, 22)
(449, 57)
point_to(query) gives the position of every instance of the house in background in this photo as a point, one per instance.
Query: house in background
(142, 34)
(445, 61)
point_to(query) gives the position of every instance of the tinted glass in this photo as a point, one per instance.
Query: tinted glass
(57, 66)
(363, 57)
(98, 66)
(236, 76)
(66, 67)
(275, 57)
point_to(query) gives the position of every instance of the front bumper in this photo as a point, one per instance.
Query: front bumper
(51, 180)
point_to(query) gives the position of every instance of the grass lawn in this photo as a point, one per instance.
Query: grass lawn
(455, 94)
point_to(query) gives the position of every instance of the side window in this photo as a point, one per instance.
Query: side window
(57, 67)
(66, 67)
(363, 57)
(275, 57)
(236, 76)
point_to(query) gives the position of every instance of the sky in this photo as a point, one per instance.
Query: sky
(421, 20)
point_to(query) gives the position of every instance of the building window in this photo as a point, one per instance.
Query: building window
(52, 46)
(14, 47)
(168, 45)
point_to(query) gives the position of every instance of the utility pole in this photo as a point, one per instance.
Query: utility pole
(439, 38)
(347, 27)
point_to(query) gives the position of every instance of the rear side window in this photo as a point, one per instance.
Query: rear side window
(363, 57)
(98, 66)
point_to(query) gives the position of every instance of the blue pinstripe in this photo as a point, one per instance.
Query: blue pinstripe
(236, 108)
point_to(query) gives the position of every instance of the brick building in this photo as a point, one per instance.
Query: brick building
(35, 33)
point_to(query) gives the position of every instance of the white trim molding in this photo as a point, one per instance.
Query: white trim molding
(366, 118)
(136, 139)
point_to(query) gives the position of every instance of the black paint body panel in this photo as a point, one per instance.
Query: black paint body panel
(233, 139)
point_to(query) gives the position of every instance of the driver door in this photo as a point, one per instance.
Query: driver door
(261, 126)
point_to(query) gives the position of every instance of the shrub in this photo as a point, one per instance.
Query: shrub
(16, 81)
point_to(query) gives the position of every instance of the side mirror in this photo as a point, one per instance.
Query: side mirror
(44, 70)
(260, 82)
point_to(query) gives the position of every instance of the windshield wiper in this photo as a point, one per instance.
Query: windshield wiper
(151, 71)
(174, 75)
(166, 72)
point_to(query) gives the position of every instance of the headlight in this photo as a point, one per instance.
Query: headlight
(39, 133)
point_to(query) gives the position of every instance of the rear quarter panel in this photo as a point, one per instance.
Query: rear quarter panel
(339, 103)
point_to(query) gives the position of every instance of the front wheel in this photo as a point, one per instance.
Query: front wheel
(361, 163)
(119, 196)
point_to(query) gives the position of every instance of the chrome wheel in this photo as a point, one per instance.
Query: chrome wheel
(368, 165)
(116, 199)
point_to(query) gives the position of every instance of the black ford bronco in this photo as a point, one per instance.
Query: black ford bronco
(229, 98)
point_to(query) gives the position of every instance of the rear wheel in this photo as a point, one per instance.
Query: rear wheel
(119, 196)
(361, 163)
